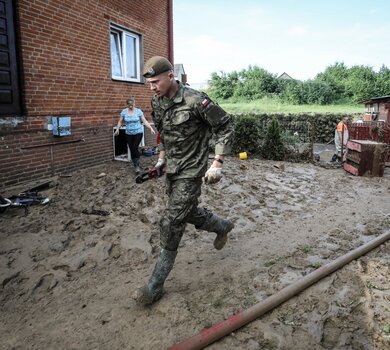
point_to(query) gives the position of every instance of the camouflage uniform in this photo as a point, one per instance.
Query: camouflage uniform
(186, 123)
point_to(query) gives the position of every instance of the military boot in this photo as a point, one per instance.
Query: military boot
(221, 227)
(137, 166)
(153, 290)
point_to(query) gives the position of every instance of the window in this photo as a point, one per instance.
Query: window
(125, 48)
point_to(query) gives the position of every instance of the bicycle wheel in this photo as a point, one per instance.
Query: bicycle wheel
(4, 204)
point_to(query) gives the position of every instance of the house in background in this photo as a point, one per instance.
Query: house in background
(180, 74)
(285, 76)
(377, 109)
(75, 63)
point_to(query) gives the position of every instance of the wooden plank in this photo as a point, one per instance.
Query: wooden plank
(354, 156)
(351, 169)
(37, 185)
(354, 146)
(9, 83)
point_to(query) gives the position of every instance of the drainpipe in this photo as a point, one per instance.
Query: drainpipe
(221, 329)
(170, 32)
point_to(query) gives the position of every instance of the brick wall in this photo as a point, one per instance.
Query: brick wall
(64, 51)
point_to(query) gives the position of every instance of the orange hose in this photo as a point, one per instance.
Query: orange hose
(219, 330)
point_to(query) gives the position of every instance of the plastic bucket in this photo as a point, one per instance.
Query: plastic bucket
(148, 153)
(243, 155)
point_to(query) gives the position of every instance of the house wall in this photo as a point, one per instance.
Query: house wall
(65, 66)
(383, 110)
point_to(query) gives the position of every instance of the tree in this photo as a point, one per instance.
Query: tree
(222, 85)
(337, 83)
(361, 83)
(383, 81)
(273, 147)
(336, 76)
(318, 92)
(293, 92)
(255, 82)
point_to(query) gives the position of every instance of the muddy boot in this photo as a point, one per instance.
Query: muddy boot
(221, 227)
(153, 290)
(137, 166)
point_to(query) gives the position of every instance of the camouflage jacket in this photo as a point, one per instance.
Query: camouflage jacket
(186, 123)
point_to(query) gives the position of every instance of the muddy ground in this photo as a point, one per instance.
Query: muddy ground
(66, 277)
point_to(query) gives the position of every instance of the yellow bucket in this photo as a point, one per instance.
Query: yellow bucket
(243, 155)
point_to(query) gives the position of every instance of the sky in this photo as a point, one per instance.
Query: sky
(299, 37)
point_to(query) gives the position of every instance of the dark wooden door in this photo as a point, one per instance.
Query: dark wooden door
(9, 84)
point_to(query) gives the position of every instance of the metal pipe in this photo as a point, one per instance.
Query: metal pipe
(170, 32)
(342, 143)
(52, 144)
(312, 140)
(219, 330)
(52, 161)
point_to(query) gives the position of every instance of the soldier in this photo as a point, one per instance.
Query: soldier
(185, 119)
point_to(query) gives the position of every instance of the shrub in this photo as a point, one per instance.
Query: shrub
(273, 147)
(248, 134)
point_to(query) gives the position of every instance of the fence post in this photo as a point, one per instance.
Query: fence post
(342, 143)
(313, 128)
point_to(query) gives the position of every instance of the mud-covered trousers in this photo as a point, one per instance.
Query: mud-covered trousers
(182, 208)
(134, 141)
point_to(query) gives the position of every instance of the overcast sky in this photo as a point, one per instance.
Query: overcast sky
(299, 37)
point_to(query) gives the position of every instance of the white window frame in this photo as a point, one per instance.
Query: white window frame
(121, 34)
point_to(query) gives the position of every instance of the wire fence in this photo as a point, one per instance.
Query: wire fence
(298, 138)
(302, 137)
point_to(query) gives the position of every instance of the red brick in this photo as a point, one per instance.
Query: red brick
(65, 53)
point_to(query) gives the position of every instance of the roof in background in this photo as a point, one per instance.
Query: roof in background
(179, 68)
(284, 75)
(375, 99)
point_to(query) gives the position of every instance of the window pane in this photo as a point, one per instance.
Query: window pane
(131, 57)
(116, 68)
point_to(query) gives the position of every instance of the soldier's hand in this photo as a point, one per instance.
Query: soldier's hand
(213, 175)
(160, 163)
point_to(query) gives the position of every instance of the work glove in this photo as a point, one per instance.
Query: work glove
(213, 175)
(160, 163)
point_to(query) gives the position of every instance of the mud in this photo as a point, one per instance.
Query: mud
(68, 270)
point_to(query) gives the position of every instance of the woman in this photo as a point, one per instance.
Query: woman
(133, 117)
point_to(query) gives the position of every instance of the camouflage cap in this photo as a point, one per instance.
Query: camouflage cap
(155, 66)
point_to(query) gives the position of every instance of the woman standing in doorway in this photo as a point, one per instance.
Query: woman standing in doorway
(133, 118)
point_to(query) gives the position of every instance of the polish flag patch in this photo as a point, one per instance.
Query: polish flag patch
(205, 102)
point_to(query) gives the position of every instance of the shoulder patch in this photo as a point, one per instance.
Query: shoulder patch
(205, 102)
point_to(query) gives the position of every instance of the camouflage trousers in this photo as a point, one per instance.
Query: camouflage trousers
(182, 208)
